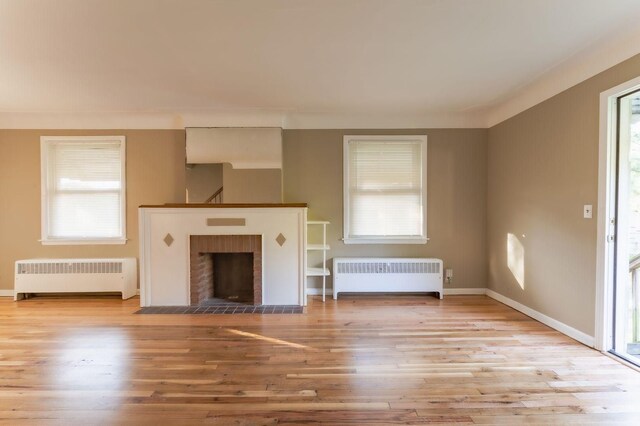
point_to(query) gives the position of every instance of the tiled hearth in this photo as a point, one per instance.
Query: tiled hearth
(202, 247)
(223, 309)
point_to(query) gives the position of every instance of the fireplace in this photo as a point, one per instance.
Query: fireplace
(226, 267)
(274, 233)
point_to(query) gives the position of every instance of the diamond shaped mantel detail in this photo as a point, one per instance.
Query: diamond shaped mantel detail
(168, 240)
(280, 239)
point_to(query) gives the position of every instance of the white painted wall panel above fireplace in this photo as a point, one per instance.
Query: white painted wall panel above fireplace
(164, 265)
(243, 147)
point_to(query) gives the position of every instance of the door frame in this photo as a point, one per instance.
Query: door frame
(606, 213)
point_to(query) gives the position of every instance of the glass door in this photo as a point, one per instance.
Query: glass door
(626, 319)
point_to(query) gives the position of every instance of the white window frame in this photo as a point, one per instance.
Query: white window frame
(45, 142)
(421, 239)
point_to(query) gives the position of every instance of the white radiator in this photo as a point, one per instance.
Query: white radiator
(76, 276)
(387, 275)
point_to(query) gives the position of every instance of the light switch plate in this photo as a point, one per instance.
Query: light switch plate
(588, 211)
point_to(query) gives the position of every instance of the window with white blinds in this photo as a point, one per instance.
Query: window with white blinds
(385, 189)
(83, 190)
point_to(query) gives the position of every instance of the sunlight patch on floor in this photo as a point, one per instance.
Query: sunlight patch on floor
(267, 339)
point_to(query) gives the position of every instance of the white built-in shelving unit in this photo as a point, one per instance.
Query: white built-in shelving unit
(323, 247)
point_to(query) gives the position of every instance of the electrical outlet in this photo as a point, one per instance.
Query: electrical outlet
(448, 274)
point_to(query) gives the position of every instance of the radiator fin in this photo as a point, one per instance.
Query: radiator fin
(67, 267)
(389, 268)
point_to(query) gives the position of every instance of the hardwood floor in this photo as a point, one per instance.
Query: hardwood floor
(361, 360)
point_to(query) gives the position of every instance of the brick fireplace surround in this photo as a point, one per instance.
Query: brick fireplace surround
(201, 262)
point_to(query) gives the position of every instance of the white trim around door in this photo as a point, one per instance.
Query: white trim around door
(606, 213)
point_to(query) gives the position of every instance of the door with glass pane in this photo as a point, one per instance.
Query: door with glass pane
(626, 321)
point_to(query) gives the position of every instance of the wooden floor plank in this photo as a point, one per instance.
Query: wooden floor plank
(360, 360)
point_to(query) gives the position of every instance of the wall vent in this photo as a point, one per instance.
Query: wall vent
(425, 267)
(67, 267)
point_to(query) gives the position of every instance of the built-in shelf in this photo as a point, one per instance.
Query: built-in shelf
(317, 247)
(323, 247)
(318, 272)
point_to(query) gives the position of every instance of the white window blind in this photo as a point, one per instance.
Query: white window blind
(385, 189)
(83, 196)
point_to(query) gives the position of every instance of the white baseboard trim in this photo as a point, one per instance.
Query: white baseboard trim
(563, 328)
(447, 291)
(465, 291)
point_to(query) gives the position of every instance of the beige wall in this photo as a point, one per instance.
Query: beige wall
(251, 185)
(312, 173)
(155, 175)
(542, 169)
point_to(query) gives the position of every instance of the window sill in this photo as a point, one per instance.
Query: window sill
(82, 242)
(417, 240)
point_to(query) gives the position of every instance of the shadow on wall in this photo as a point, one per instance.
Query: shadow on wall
(515, 258)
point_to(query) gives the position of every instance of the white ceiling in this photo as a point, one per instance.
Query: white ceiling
(403, 62)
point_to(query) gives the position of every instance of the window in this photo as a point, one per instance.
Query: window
(385, 189)
(83, 190)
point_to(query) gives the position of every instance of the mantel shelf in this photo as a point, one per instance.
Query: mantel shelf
(224, 206)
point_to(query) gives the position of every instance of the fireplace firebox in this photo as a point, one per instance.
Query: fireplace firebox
(226, 267)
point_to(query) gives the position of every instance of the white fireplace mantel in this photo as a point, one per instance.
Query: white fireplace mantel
(164, 248)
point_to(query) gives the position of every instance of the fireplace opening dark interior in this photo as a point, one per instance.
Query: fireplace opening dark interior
(233, 277)
(225, 269)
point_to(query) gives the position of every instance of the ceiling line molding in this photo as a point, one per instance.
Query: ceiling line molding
(308, 120)
(578, 68)
(257, 118)
(138, 120)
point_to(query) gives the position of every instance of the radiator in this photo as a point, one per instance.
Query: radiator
(387, 275)
(76, 276)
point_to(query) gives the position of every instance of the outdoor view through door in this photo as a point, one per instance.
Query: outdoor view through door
(626, 321)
